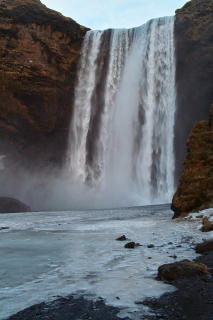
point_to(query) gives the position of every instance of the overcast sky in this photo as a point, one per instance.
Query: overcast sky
(96, 14)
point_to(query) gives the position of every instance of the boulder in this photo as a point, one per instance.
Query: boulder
(204, 246)
(181, 269)
(11, 205)
(130, 245)
(150, 246)
(122, 238)
(207, 225)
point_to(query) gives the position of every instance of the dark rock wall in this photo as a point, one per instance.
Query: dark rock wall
(10, 205)
(39, 53)
(194, 76)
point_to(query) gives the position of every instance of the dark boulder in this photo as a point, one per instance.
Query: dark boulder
(11, 205)
(130, 245)
(122, 238)
(204, 246)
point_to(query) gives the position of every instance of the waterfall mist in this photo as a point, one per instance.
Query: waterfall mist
(120, 150)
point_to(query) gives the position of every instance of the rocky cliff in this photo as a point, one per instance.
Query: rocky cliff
(194, 76)
(195, 191)
(39, 52)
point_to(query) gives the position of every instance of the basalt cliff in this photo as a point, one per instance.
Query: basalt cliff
(39, 52)
(194, 70)
(194, 78)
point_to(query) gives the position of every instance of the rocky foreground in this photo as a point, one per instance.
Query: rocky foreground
(193, 298)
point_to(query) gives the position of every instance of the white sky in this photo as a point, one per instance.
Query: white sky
(101, 15)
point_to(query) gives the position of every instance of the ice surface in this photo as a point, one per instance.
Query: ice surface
(44, 254)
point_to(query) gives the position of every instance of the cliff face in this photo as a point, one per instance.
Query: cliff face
(195, 190)
(39, 52)
(194, 76)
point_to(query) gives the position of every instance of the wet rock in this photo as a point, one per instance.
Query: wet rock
(138, 245)
(150, 245)
(130, 245)
(122, 238)
(204, 247)
(181, 269)
(207, 225)
(11, 205)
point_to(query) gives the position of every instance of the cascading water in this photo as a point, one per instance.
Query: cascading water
(122, 130)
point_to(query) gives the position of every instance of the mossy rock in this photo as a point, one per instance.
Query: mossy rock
(183, 269)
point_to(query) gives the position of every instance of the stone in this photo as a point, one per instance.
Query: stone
(204, 246)
(122, 238)
(181, 269)
(130, 245)
(207, 225)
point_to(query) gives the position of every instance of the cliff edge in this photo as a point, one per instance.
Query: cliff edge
(195, 190)
(39, 52)
(194, 70)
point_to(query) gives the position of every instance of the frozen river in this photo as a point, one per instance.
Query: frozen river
(45, 254)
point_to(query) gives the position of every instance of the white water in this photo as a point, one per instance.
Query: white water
(45, 254)
(122, 131)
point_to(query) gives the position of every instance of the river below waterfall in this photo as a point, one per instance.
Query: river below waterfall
(45, 254)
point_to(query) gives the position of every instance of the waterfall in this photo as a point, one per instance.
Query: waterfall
(122, 128)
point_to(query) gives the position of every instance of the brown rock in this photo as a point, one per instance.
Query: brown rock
(207, 225)
(39, 52)
(177, 270)
(204, 246)
(195, 190)
(122, 238)
(194, 70)
(150, 245)
(130, 245)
